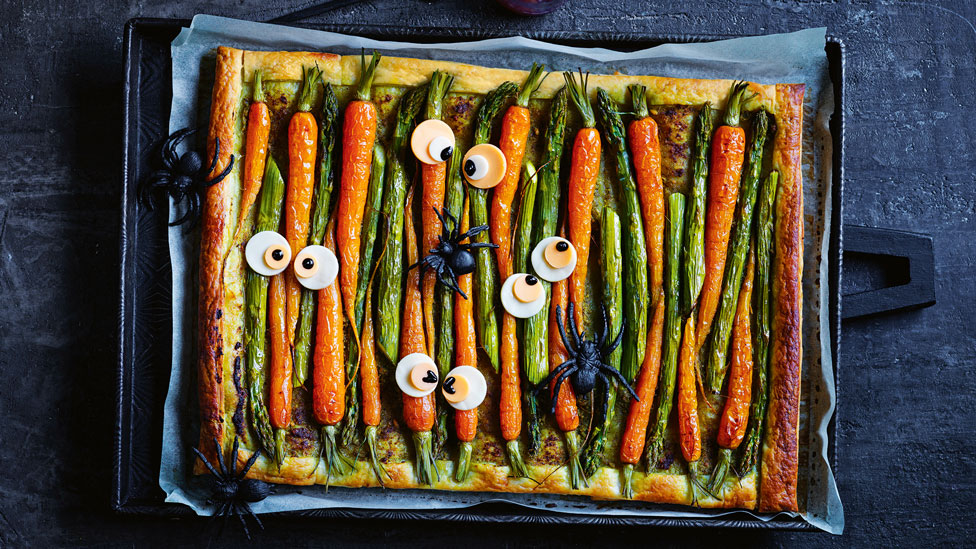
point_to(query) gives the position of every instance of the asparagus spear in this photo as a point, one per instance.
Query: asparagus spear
(256, 300)
(390, 271)
(374, 199)
(634, 250)
(613, 306)
(328, 131)
(695, 216)
(761, 331)
(672, 330)
(520, 259)
(485, 275)
(722, 327)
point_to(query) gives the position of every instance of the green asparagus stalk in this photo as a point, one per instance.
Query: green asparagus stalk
(634, 250)
(485, 273)
(328, 133)
(763, 321)
(390, 271)
(374, 200)
(722, 326)
(672, 331)
(520, 260)
(613, 303)
(256, 301)
(694, 251)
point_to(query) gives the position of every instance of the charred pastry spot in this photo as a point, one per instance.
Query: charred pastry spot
(218, 314)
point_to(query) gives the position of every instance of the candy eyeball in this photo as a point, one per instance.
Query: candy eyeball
(316, 267)
(432, 142)
(464, 388)
(416, 375)
(267, 253)
(523, 295)
(484, 166)
(554, 259)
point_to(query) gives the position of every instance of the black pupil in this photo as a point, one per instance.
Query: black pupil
(531, 280)
(562, 245)
(431, 377)
(308, 263)
(470, 168)
(446, 153)
(277, 255)
(449, 386)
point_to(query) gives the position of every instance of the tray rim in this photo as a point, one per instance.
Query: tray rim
(131, 36)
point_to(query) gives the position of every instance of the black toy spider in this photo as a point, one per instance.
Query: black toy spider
(184, 177)
(585, 364)
(231, 491)
(450, 258)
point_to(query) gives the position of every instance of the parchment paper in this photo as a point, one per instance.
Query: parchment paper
(794, 57)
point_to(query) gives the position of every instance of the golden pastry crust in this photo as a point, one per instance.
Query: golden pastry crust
(221, 290)
(780, 453)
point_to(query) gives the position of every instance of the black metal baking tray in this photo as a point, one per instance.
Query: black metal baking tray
(145, 316)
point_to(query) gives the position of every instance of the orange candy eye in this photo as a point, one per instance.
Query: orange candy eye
(554, 259)
(277, 256)
(423, 377)
(305, 264)
(523, 295)
(484, 166)
(527, 289)
(558, 254)
(464, 388)
(432, 142)
(416, 375)
(267, 253)
(456, 388)
(316, 267)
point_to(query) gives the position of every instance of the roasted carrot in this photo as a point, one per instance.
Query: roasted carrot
(639, 415)
(689, 432)
(514, 138)
(328, 370)
(418, 413)
(564, 403)
(358, 136)
(735, 416)
(728, 153)
(583, 173)
(370, 385)
(303, 134)
(434, 179)
(465, 354)
(255, 152)
(646, 151)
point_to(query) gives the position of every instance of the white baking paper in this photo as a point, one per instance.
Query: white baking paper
(794, 57)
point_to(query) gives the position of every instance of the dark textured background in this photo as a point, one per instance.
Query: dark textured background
(905, 439)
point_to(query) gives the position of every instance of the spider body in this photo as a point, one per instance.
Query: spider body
(231, 491)
(452, 257)
(585, 368)
(184, 177)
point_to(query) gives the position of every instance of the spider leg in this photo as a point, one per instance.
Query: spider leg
(562, 329)
(454, 226)
(186, 215)
(249, 463)
(563, 377)
(604, 385)
(555, 372)
(619, 338)
(233, 457)
(253, 515)
(620, 378)
(606, 326)
(213, 162)
(203, 458)
(170, 158)
(573, 328)
(195, 208)
(220, 457)
(236, 510)
(439, 217)
(223, 174)
(476, 245)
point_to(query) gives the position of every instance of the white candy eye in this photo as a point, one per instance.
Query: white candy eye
(267, 253)
(416, 375)
(484, 166)
(523, 295)
(554, 259)
(464, 388)
(432, 142)
(316, 267)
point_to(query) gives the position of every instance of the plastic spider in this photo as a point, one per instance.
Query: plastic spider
(450, 258)
(585, 363)
(184, 177)
(232, 493)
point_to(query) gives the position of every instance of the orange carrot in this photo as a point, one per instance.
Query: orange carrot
(329, 373)
(255, 149)
(465, 342)
(418, 413)
(358, 136)
(583, 173)
(646, 150)
(368, 368)
(688, 396)
(303, 134)
(279, 403)
(735, 417)
(632, 443)
(567, 416)
(728, 153)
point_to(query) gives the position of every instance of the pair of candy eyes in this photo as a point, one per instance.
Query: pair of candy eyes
(553, 259)
(464, 387)
(268, 254)
(432, 142)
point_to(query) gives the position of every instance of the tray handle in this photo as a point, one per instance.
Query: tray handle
(919, 292)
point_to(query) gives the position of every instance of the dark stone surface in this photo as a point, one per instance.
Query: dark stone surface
(905, 440)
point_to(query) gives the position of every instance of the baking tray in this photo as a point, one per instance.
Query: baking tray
(145, 323)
